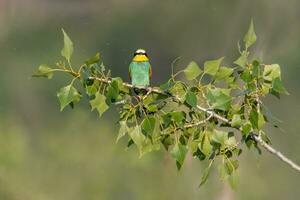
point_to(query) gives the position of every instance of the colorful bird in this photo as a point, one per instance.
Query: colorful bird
(140, 71)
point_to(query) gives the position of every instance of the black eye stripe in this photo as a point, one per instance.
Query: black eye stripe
(140, 54)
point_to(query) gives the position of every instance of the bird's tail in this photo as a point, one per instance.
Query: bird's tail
(140, 92)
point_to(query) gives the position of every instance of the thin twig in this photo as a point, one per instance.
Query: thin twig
(199, 123)
(147, 94)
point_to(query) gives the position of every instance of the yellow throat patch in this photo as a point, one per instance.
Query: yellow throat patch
(140, 58)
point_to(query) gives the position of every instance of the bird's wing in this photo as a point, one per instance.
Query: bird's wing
(150, 72)
(129, 72)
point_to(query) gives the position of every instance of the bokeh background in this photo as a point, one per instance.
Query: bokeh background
(46, 154)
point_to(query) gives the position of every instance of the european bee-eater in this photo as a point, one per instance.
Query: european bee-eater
(140, 71)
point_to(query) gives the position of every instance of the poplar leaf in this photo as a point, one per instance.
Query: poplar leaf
(219, 136)
(205, 175)
(44, 71)
(148, 147)
(271, 72)
(178, 153)
(122, 131)
(219, 98)
(222, 172)
(148, 125)
(99, 103)
(211, 67)
(236, 120)
(192, 71)
(178, 117)
(67, 95)
(246, 128)
(191, 99)
(233, 180)
(277, 86)
(257, 119)
(205, 145)
(178, 89)
(137, 137)
(250, 36)
(93, 60)
(67, 50)
(242, 60)
(224, 73)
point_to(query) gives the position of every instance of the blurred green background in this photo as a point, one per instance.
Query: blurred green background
(46, 154)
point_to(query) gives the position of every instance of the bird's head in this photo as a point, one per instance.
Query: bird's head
(140, 55)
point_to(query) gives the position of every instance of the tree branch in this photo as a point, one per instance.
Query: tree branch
(275, 152)
(211, 113)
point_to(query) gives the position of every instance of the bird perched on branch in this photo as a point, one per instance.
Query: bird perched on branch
(140, 71)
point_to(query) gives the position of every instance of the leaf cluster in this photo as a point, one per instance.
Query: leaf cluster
(168, 117)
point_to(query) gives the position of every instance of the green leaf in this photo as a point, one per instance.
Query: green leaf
(44, 71)
(167, 140)
(192, 71)
(85, 74)
(257, 119)
(277, 86)
(123, 130)
(233, 180)
(148, 147)
(178, 90)
(224, 73)
(254, 118)
(143, 144)
(148, 125)
(67, 95)
(256, 71)
(205, 145)
(242, 60)
(219, 136)
(230, 141)
(167, 86)
(231, 166)
(222, 172)
(99, 103)
(250, 36)
(261, 121)
(93, 60)
(120, 84)
(211, 67)
(246, 128)
(91, 89)
(236, 120)
(271, 72)
(246, 76)
(219, 98)
(152, 108)
(179, 152)
(67, 50)
(191, 99)
(137, 137)
(113, 91)
(178, 117)
(205, 175)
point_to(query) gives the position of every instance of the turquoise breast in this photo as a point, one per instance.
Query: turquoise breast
(140, 73)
